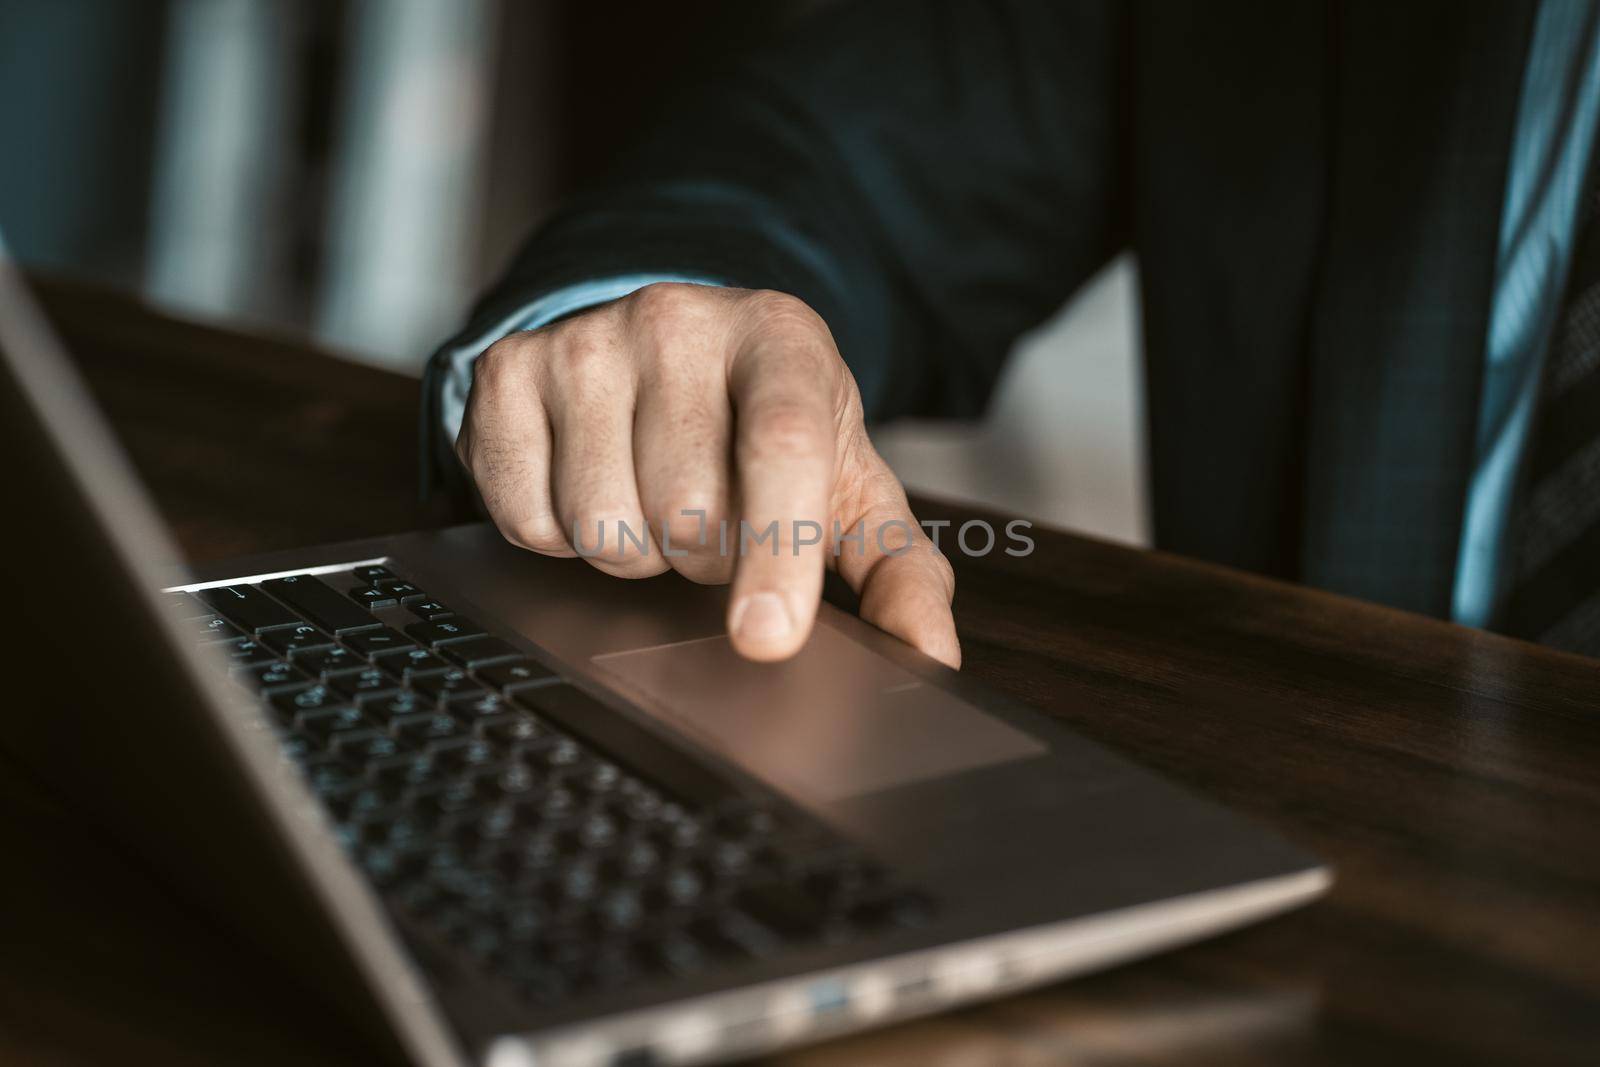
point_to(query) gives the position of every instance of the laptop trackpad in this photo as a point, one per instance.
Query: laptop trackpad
(836, 721)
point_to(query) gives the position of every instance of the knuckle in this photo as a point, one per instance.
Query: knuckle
(665, 303)
(586, 362)
(782, 309)
(503, 362)
(785, 430)
(536, 533)
(787, 321)
(676, 329)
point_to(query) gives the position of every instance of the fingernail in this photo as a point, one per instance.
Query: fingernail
(760, 617)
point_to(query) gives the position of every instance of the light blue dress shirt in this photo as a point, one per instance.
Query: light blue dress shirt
(1557, 116)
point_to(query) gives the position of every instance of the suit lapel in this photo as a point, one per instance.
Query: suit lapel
(1425, 101)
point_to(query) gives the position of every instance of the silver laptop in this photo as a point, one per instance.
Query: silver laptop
(502, 809)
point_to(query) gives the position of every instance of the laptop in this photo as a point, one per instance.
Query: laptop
(501, 809)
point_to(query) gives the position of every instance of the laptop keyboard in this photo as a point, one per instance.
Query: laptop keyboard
(461, 777)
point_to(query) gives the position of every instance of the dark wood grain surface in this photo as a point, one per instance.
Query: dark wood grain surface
(1452, 777)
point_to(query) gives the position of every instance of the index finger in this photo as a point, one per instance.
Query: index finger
(783, 392)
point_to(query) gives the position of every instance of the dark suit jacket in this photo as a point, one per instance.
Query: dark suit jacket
(1313, 191)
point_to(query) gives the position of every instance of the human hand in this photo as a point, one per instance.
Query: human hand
(692, 407)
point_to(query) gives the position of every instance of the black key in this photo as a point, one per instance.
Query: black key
(407, 770)
(480, 651)
(213, 628)
(386, 865)
(311, 698)
(563, 753)
(402, 591)
(302, 638)
(536, 853)
(298, 746)
(602, 778)
(478, 705)
(328, 661)
(512, 730)
(443, 631)
(447, 684)
(412, 663)
(367, 745)
(639, 857)
(557, 803)
(248, 608)
(729, 859)
(428, 727)
(319, 603)
(372, 598)
(273, 676)
(379, 641)
(462, 753)
(368, 682)
(683, 886)
(685, 835)
(599, 830)
(373, 573)
(329, 774)
(666, 767)
(671, 814)
(394, 705)
(744, 818)
(363, 802)
(185, 606)
(621, 909)
(246, 650)
(495, 823)
(398, 829)
(579, 882)
(640, 801)
(525, 920)
(451, 799)
(324, 724)
(512, 780)
(428, 610)
(511, 676)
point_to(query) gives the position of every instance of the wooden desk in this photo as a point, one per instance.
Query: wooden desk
(1452, 777)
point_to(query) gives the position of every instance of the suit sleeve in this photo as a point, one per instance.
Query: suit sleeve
(934, 177)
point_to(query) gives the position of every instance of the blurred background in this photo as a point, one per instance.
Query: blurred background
(356, 171)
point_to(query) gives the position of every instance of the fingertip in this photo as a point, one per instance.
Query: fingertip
(944, 647)
(920, 618)
(933, 637)
(762, 626)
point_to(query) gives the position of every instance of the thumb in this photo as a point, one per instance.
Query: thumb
(904, 582)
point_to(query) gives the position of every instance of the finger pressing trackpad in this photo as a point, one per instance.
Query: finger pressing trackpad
(836, 721)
